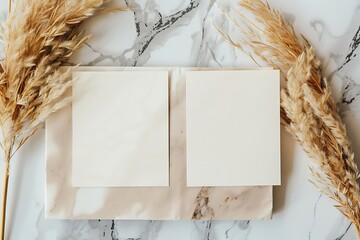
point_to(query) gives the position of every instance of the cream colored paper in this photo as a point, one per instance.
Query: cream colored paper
(233, 128)
(120, 129)
(176, 202)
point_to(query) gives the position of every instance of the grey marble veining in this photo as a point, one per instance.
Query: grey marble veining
(148, 27)
(147, 36)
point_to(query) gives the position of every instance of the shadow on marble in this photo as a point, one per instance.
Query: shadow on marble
(17, 181)
(287, 160)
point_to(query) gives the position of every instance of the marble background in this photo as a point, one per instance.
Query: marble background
(180, 33)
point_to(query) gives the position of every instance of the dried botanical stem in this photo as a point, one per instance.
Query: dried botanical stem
(39, 37)
(308, 109)
(9, 6)
(6, 178)
(4, 200)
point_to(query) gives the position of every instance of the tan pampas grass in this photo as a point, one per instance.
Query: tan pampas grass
(308, 109)
(39, 36)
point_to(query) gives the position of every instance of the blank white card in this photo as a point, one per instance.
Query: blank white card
(233, 128)
(120, 129)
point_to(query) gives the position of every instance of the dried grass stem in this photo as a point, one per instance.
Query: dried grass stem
(39, 37)
(308, 110)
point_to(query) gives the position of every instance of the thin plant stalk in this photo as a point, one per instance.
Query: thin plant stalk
(39, 37)
(308, 110)
(6, 178)
(4, 199)
(9, 6)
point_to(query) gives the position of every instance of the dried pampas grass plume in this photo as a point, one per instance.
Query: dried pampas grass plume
(39, 36)
(308, 110)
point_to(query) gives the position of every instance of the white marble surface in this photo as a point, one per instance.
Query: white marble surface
(180, 33)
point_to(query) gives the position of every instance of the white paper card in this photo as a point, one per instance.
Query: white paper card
(120, 129)
(233, 128)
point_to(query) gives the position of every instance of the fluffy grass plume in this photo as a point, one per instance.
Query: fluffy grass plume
(39, 36)
(308, 110)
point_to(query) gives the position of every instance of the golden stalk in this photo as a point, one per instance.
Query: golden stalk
(4, 200)
(308, 110)
(6, 178)
(39, 37)
(9, 6)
